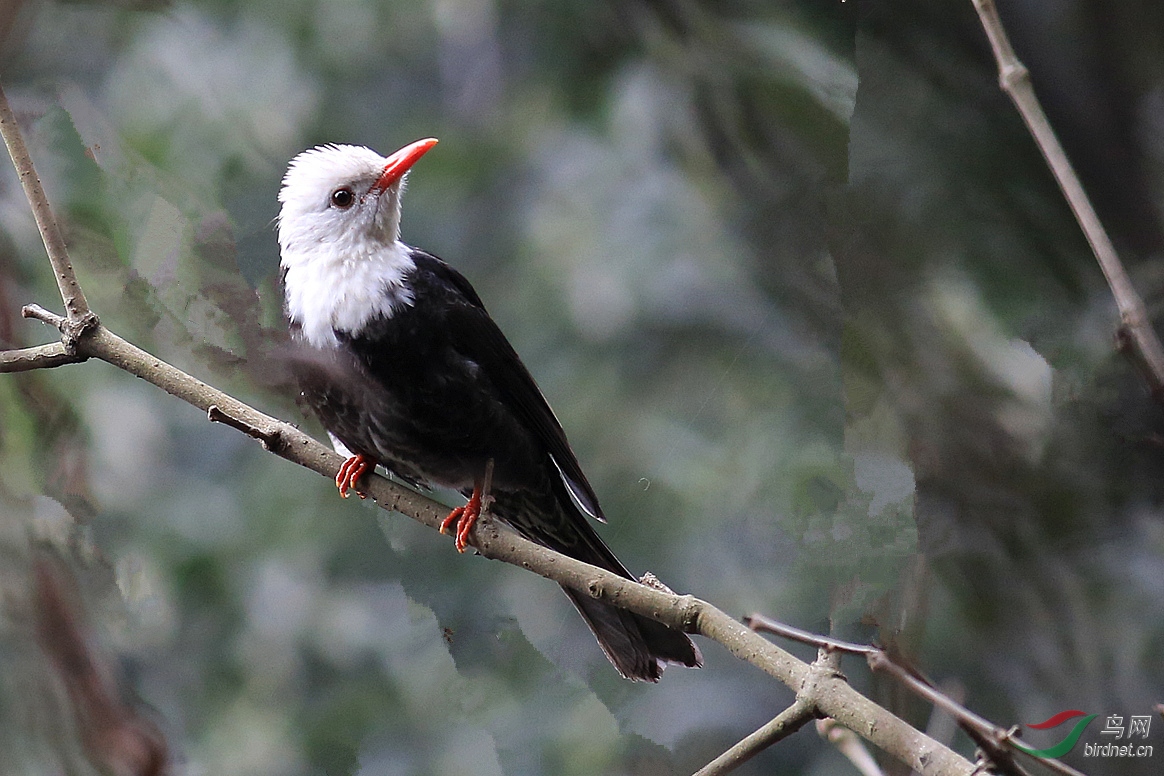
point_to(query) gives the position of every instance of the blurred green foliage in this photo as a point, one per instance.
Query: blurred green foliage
(792, 274)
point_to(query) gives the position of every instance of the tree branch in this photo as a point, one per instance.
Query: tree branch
(848, 744)
(1135, 335)
(50, 232)
(831, 696)
(991, 738)
(826, 692)
(759, 622)
(45, 356)
(996, 743)
(782, 725)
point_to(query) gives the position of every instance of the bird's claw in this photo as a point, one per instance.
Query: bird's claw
(351, 471)
(465, 518)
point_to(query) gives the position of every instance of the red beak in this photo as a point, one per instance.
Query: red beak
(400, 162)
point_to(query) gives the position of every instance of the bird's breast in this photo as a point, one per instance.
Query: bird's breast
(331, 292)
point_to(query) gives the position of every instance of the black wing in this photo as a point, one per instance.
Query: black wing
(478, 338)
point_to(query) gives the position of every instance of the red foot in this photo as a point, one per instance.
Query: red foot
(352, 469)
(465, 517)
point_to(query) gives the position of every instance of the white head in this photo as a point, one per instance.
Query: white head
(334, 194)
(339, 237)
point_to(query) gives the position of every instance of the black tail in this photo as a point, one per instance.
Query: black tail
(637, 646)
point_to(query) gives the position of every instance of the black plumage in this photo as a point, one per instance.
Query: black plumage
(432, 390)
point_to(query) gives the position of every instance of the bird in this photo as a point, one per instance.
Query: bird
(404, 367)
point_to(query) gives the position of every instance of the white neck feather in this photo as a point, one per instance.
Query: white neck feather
(341, 287)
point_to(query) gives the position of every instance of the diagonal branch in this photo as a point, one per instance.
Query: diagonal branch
(827, 692)
(831, 695)
(995, 742)
(76, 306)
(1135, 334)
(781, 726)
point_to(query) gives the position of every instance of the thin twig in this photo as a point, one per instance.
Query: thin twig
(824, 672)
(989, 737)
(47, 356)
(38, 313)
(849, 745)
(996, 742)
(269, 437)
(1136, 332)
(781, 726)
(487, 489)
(54, 242)
(941, 726)
(759, 622)
(71, 330)
(881, 662)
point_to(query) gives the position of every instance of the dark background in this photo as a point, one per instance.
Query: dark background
(793, 275)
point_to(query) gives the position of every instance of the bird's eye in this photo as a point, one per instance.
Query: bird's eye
(343, 198)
